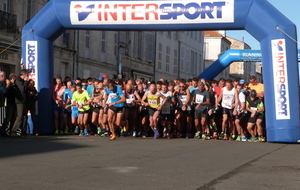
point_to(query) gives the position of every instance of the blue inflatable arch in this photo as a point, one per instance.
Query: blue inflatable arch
(258, 17)
(230, 56)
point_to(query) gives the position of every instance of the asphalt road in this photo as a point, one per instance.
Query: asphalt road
(71, 162)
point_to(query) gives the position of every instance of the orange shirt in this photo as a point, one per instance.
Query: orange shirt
(259, 87)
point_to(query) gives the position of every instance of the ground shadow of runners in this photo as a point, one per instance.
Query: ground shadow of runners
(10, 147)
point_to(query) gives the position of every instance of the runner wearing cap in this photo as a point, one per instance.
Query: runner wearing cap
(256, 107)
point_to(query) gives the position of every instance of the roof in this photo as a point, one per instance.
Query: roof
(212, 33)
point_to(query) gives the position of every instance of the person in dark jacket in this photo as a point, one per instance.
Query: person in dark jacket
(3, 91)
(12, 92)
(19, 126)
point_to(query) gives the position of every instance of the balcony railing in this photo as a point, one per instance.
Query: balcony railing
(8, 22)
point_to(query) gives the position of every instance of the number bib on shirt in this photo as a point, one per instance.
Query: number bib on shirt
(183, 99)
(199, 99)
(153, 102)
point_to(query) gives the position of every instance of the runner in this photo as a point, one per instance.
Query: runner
(167, 111)
(131, 109)
(97, 98)
(58, 91)
(194, 85)
(82, 100)
(241, 114)
(256, 107)
(183, 111)
(201, 100)
(151, 99)
(230, 100)
(258, 87)
(115, 107)
(143, 114)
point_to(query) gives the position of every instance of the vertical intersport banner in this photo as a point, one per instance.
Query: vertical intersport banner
(31, 62)
(280, 74)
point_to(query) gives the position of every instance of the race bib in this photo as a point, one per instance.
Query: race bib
(253, 108)
(183, 99)
(153, 102)
(113, 95)
(129, 101)
(199, 99)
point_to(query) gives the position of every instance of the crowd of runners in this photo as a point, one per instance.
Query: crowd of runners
(179, 108)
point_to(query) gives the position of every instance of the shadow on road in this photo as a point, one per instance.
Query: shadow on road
(10, 147)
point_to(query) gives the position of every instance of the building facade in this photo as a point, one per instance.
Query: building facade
(241, 70)
(179, 54)
(215, 45)
(92, 53)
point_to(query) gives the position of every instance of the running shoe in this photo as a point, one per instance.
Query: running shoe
(232, 137)
(112, 138)
(81, 133)
(56, 132)
(225, 137)
(263, 139)
(197, 135)
(139, 134)
(208, 137)
(215, 135)
(144, 134)
(244, 138)
(85, 133)
(168, 136)
(253, 139)
(99, 130)
(188, 135)
(165, 135)
(102, 135)
(76, 130)
(203, 136)
(156, 133)
(239, 138)
(221, 137)
(66, 132)
(134, 134)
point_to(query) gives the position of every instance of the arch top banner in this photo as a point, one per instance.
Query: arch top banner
(151, 12)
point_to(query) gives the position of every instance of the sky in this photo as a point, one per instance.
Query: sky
(290, 8)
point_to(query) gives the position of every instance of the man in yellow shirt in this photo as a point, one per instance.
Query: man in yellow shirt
(259, 87)
(81, 99)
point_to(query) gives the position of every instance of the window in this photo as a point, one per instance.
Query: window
(66, 38)
(187, 61)
(103, 42)
(192, 63)
(168, 58)
(182, 57)
(6, 5)
(115, 43)
(140, 45)
(29, 10)
(87, 39)
(169, 34)
(159, 56)
(150, 47)
(175, 69)
(135, 46)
